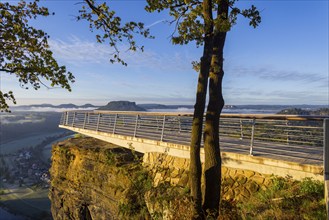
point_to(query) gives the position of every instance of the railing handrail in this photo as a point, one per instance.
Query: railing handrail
(223, 115)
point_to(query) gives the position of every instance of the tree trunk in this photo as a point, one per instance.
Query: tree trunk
(196, 135)
(212, 165)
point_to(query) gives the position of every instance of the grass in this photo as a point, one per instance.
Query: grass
(284, 199)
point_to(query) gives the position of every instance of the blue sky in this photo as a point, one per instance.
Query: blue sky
(283, 61)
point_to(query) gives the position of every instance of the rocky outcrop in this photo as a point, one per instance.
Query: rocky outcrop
(92, 179)
(121, 106)
(87, 182)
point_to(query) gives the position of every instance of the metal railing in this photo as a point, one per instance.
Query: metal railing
(282, 133)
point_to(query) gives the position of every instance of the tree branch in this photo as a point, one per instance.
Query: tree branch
(98, 12)
(177, 21)
(6, 70)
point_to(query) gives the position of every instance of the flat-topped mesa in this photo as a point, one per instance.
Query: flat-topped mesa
(121, 106)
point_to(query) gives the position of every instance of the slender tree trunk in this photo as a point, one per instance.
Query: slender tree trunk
(212, 165)
(196, 135)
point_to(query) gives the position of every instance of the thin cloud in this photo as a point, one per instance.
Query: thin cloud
(272, 74)
(300, 96)
(81, 52)
(291, 95)
(76, 51)
(156, 22)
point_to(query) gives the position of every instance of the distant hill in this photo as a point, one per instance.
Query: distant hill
(121, 106)
(299, 111)
(88, 106)
(66, 106)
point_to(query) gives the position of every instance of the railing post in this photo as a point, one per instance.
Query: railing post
(179, 124)
(115, 122)
(287, 124)
(110, 121)
(98, 119)
(241, 130)
(252, 136)
(84, 120)
(73, 119)
(326, 162)
(67, 118)
(156, 118)
(136, 123)
(163, 127)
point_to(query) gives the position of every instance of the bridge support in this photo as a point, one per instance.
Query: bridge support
(326, 162)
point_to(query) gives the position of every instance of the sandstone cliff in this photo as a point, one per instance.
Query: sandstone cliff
(86, 179)
(92, 179)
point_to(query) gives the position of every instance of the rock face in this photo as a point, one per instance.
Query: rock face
(121, 106)
(237, 185)
(86, 179)
(92, 179)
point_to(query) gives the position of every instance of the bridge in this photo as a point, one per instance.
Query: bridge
(280, 143)
(270, 144)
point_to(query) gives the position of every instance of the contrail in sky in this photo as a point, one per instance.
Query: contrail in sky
(155, 23)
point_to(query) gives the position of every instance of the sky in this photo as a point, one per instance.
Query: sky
(283, 61)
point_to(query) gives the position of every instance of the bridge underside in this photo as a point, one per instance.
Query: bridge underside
(233, 155)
